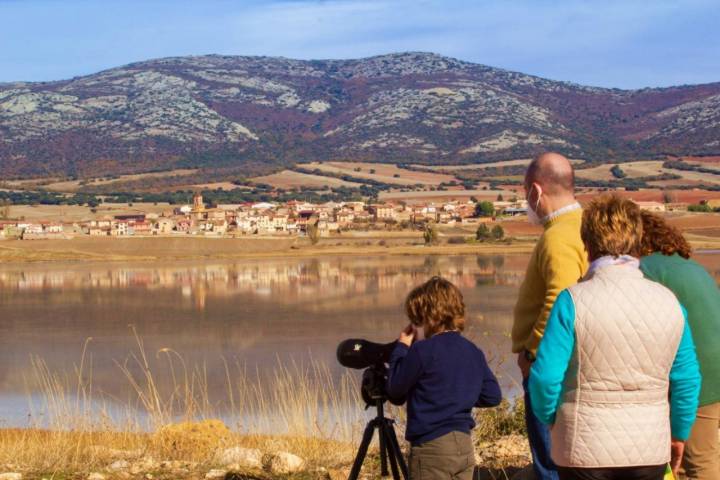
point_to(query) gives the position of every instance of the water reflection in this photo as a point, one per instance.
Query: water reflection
(252, 313)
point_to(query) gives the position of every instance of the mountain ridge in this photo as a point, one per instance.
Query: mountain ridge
(262, 113)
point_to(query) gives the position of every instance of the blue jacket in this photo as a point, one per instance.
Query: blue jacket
(444, 377)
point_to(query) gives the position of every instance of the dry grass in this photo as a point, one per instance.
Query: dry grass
(300, 409)
(76, 429)
(288, 179)
(382, 172)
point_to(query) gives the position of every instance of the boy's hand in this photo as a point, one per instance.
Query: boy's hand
(407, 335)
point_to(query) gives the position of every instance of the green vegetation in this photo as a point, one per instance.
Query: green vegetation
(498, 233)
(430, 234)
(484, 209)
(680, 165)
(617, 172)
(482, 233)
(701, 207)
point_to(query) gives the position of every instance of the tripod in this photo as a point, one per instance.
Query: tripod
(389, 447)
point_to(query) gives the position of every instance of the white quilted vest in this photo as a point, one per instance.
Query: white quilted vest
(615, 410)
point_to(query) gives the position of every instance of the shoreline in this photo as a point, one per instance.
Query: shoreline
(155, 249)
(149, 249)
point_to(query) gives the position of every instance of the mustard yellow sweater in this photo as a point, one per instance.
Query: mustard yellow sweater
(558, 261)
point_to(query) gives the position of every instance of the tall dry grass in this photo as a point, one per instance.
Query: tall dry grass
(299, 408)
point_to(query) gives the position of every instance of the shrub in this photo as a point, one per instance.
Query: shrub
(617, 172)
(702, 207)
(430, 235)
(313, 233)
(484, 209)
(482, 233)
(498, 232)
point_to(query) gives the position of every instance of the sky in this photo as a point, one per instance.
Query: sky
(608, 43)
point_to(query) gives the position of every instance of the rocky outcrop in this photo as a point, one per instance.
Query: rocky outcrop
(226, 110)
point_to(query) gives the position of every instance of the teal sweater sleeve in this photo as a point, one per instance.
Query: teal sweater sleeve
(553, 357)
(685, 385)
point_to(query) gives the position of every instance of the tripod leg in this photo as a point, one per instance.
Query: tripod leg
(383, 448)
(391, 453)
(395, 447)
(362, 450)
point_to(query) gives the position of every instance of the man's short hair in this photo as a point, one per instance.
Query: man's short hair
(552, 178)
(612, 225)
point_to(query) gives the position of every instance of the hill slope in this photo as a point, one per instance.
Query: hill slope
(258, 112)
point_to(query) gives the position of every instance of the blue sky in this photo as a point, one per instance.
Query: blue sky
(626, 44)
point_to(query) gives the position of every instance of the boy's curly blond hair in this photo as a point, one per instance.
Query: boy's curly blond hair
(436, 305)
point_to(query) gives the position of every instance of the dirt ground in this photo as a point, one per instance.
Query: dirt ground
(76, 213)
(384, 172)
(70, 186)
(288, 179)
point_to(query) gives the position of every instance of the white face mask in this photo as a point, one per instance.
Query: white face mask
(533, 217)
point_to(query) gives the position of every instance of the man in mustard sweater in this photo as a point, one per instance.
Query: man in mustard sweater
(558, 261)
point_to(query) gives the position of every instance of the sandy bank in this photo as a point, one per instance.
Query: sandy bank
(175, 248)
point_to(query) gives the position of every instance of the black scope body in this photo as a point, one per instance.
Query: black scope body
(359, 353)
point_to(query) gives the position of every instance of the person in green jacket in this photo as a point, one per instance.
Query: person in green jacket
(666, 260)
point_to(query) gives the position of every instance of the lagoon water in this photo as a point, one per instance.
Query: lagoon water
(254, 315)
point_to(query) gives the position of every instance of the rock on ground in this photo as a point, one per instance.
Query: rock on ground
(119, 465)
(243, 457)
(284, 463)
(215, 473)
(11, 476)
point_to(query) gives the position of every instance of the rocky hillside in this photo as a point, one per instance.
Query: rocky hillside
(259, 113)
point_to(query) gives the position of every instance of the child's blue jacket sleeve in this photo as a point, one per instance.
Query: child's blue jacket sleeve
(405, 367)
(553, 357)
(490, 395)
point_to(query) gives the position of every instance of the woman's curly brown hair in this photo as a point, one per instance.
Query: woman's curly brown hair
(436, 305)
(611, 225)
(660, 236)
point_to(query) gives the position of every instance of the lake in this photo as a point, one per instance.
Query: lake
(215, 319)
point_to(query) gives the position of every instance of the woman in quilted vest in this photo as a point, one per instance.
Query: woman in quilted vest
(616, 374)
(666, 260)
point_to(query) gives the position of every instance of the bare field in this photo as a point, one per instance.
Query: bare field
(632, 170)
(70, 186)
(446, 195)
(478, 166)
(209, 186)
(708, 161)
(383, 172)
(648, 168)
(76, 213)
(288, 179)
(655, 195)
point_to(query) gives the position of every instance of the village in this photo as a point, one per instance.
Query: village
(294, 218)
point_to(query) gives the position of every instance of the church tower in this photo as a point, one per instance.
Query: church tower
(198, 204)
